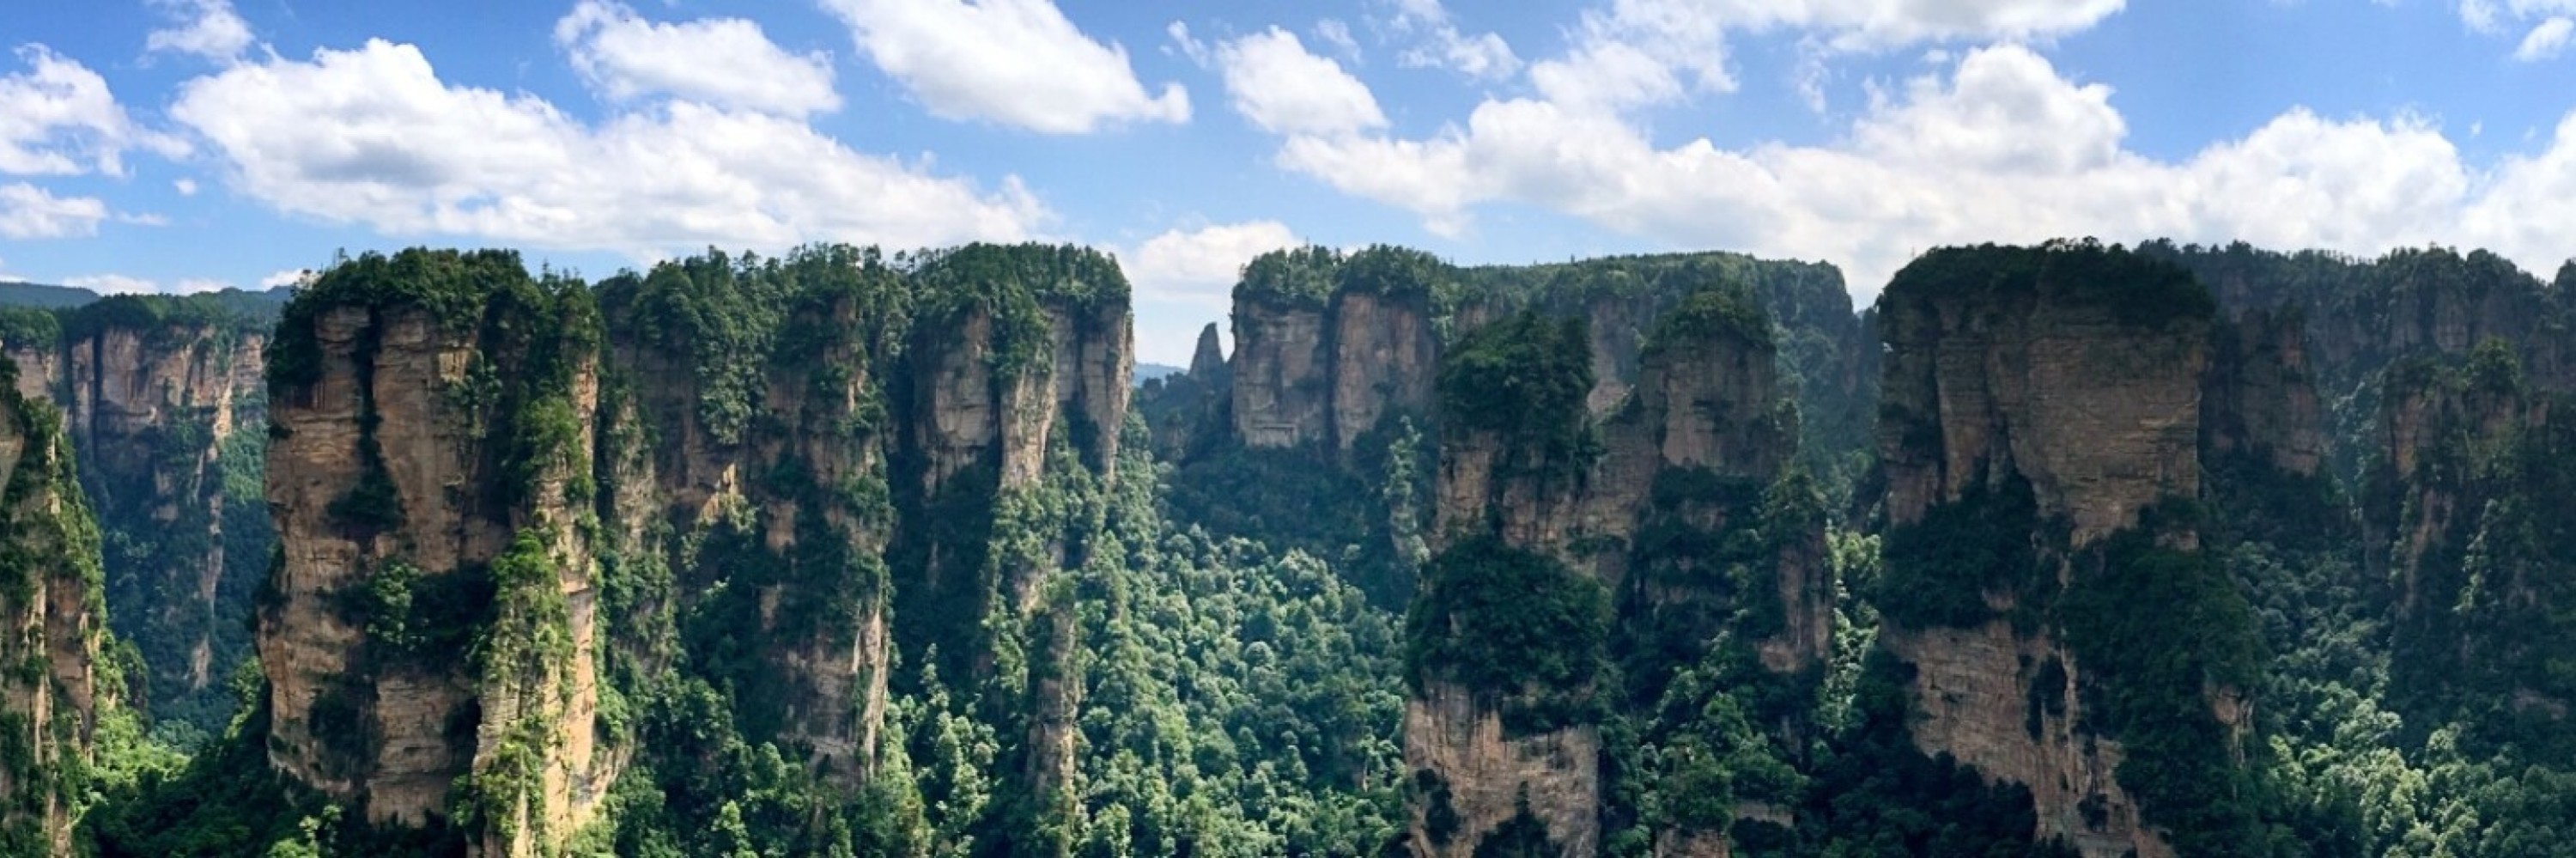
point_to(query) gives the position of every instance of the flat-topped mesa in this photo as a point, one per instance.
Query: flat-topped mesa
(165, 409)
(2041, 408)
(2363, 315)
(58, 685)
(433, 415)
(1329, 348)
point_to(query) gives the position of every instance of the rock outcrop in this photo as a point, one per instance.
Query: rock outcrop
(1190, 408)
(1327, 347)
(57, 687)
(2261, 399)
(2071, 376)
(433, 415)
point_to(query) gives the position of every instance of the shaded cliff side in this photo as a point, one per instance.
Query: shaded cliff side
(167, 413)
(2464, 509)
(2045, 583)
(61, 683)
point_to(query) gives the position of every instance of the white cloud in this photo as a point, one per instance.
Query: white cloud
(1338, 35)
(1611, 75)
(1999, 147)
(1275, 83)
(2496, 16)
(372, 136)
(1440, 44)
(58, 118)
(284, 277)
(722, 61)
(1016, 62)
(1200, 266)
(2546, 40)
(2529, 203)
(1636, 52)
(200, 284)
(1185, 278)
(27, 211)
(111, 283)
(185, 187)
(205, 28)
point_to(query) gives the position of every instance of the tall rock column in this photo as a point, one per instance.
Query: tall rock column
(1021, 358)
(432, 415)
(1507, 638)
(2041, 407)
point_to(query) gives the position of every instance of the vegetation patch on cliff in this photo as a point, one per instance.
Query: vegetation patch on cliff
(1512, 626)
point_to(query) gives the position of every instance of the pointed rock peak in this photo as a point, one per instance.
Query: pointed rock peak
(1210, 355)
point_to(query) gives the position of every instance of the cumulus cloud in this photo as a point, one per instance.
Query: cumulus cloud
(1995, 147)
(27, 211)
(1200, 266)
(1015, 62)
(285, 277)
(111, 283)
(1277, 84)
(1184, 279)
(2546, 40)
(205, 28)
(721, 61)
(2500, 16)
(1637, 52)
(373, 136)
(58, 118)
(1440, 44)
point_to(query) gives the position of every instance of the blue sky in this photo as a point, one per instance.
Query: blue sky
(177, 145)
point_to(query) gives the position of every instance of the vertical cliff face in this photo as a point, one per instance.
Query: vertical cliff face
(1327, 347)
(57, 686)
(165, 407)
(763, 399)
(1508, 635)
(1280, 387)
(1020, 389)
(2039, 408)
(1567, 539)
(433, 417)
(2261, 399)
